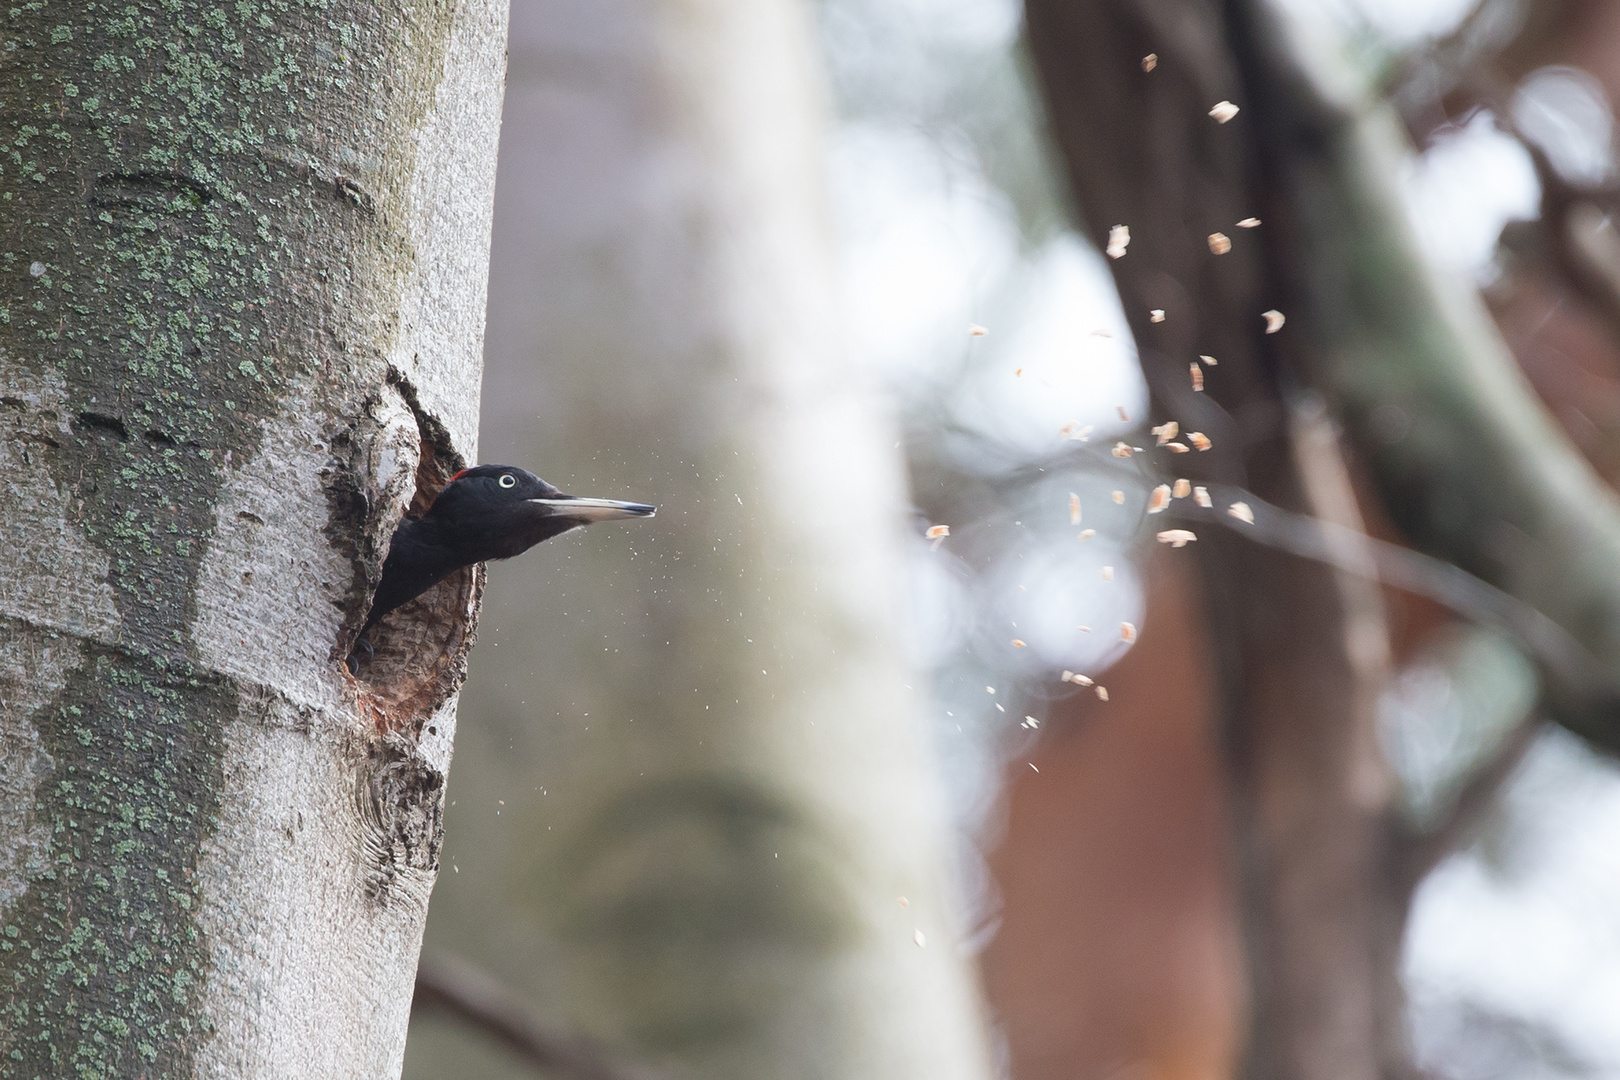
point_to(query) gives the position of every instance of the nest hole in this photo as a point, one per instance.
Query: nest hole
(419, 650)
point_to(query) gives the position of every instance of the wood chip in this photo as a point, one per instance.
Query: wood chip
(1274, 320)
(1108, 573)
(1249, 223)
(1074, 430)
(1223, 111)
(1219, 243)
(975, 330)
(1158, 499)
(1210, 360)
(1197, 376)
(1119, 238)
(1127, 632)
(1166, 431)
(1176, 448)
(1156, 315)
(919, 939)
(1199, 440)
(1122, 450)
(1018, 643)
(1242, 512)
(1087, 534)
(1102, 693)
(938, 532)
(1124, 417)
(1177, 537)
(1201, 497)
(1074, 509)
(1150, 61)
(1076, 678)
(1119, 498)
(1182, 488)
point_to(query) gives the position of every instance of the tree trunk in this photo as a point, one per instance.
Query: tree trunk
(1301, 648)
(243, 277)
(702, 784)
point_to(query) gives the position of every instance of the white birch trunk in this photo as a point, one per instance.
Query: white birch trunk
(242, 282)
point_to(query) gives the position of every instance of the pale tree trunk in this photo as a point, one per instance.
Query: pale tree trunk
(243, 258)
(694, 785)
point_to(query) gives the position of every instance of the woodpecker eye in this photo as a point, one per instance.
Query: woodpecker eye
(508, 480)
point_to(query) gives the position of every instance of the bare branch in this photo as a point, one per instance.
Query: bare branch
(1560, 655)
(1419, 852)
(477, 998)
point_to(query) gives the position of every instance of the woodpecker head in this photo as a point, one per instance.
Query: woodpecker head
(498, 511)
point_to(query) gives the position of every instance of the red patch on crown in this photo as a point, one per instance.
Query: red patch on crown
(459, 475)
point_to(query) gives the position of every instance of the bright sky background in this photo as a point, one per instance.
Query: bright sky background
(1526, 926)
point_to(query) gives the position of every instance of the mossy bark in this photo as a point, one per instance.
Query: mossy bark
(241, 295)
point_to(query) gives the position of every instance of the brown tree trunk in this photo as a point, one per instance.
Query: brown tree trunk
(1300, 648)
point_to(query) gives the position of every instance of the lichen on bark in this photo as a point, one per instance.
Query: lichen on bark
(209, 222)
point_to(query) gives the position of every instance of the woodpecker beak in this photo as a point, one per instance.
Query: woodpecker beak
(592, 510)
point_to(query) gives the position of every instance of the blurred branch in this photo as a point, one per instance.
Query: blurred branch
(1418, 853)
(1559, 654)
(1470, 465)
(478, 999)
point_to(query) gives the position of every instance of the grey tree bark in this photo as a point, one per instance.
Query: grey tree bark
(694, 786)
(242, 277)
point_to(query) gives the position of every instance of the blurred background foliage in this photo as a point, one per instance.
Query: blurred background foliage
(713, 895)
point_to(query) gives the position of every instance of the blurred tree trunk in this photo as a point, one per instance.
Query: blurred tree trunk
(1455, 449)
(694, 786)
(243, 264)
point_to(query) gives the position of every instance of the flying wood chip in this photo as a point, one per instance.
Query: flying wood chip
(1199, 440)
(1223, 111)
(1241, 511)
(1274, 320)
(1156, 315)
(1074, 509)
(1197, 376)
(1219, 243)
(1159, 499)
(1166, 431)
(1182, 488)
(1177, 537)
(1119, 238)
(1201, 497)
(1150, 61)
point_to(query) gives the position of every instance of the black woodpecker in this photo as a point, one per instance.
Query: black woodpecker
(490, 512)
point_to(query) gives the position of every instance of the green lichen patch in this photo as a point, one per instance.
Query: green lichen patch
(100, 959)
(200, 208)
